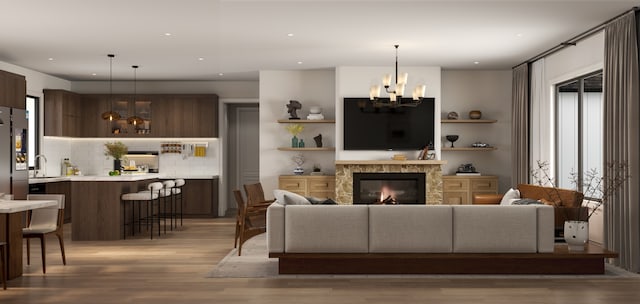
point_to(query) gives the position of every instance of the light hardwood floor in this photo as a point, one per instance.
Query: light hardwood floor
(172, 269)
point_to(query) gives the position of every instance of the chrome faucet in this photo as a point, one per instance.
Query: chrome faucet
(42, 170)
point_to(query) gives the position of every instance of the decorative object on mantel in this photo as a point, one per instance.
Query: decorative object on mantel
(399, 157)
(292, 107)
(116, 150)
(315, 113)
(299, 160)
(598, 189)
(475, 114)
(135, 119)
(318, 140)
(452, 115)
(110, 115)
(294, 130)
(395, 95)
(452, 139)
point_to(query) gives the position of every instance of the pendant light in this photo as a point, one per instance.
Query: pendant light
(110, 115)
(395, 95)
(135, 119)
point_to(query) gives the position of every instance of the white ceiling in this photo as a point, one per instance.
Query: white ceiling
(239, 38)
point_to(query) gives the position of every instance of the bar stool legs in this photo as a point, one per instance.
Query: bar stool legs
(150, 197)
(3, 260)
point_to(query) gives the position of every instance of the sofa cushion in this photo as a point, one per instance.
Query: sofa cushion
(488, 228)
(410, 228)
(546, 240)
(326, 229)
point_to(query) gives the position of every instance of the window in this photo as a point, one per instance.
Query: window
(579, 128)
(33, 143)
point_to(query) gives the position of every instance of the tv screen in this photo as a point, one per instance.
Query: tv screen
(383, 128)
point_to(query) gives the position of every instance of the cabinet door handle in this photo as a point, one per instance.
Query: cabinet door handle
(484, 184)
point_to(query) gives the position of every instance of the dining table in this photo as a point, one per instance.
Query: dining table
(12, 220)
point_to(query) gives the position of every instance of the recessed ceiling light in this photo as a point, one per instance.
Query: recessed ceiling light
(93, 74)
(476, 62)
(220, 74)
(299, 62)
(201, 58)
(167, 34)
(519, 35)
(50, 59)
(290, 35)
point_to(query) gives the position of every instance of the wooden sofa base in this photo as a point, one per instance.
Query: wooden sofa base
(561, 261)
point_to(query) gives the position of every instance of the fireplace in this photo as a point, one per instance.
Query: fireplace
(389, 188)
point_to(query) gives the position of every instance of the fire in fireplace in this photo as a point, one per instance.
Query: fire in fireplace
(389, 188)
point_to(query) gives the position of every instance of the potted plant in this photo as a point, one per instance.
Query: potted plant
(597, 189)
(294, 129)
(116, 150)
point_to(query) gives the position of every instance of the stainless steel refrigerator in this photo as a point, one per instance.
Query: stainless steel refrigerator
(14, 168)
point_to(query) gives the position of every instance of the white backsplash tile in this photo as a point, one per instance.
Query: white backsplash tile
(88, 156)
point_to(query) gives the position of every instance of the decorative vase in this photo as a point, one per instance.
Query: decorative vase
(301, 143)
(294, 142)
(576, 234)
(475, 114)
(298, 171)
(116, 165)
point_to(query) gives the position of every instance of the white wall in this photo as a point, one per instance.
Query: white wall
(311, 88)
(489, 92)
(356, 81)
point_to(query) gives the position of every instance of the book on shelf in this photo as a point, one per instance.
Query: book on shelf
(468, 173)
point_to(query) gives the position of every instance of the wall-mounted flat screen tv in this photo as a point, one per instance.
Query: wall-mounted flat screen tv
(384, 128)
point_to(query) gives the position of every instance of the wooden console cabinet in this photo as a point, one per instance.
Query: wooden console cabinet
(321, 186)
(459, 190)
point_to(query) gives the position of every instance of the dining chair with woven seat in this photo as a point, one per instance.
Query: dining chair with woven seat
(45, 221)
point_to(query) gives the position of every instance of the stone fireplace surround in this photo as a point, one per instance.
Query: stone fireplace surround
(431, 168)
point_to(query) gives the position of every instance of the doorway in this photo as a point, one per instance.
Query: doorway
(243, 161)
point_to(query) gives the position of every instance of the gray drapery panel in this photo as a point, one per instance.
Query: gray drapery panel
(520, 125)
(621, 138)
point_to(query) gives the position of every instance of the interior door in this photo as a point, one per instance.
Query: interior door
(243, 148)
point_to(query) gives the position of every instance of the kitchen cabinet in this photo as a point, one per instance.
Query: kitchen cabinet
(13, 90)
(200, 197)
(63, 113)
(188, 115)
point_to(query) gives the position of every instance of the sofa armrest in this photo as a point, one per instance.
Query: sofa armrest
(487, 199)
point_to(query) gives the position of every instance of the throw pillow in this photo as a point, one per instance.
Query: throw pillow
(511, 195)
(527, 201)
(284, 197)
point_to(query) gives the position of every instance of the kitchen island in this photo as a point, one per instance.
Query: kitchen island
(93, 202)
(97, 215)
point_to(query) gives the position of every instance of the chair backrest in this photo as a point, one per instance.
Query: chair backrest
(179, 182)
(255, 193)
(48, 217)
(168, 184)
(155, 186)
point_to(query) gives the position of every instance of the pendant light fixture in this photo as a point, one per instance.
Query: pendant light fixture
(395, 96)
(110, 115)
(135, 119)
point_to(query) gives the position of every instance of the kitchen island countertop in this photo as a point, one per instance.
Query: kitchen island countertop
(118, 178)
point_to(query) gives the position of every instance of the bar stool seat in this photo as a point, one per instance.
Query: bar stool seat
(149, 197)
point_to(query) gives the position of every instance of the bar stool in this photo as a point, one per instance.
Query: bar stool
(3, 255)
(177, 193)
(167, 194)
(149, 197)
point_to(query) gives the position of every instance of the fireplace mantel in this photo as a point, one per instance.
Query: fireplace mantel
(431, 168)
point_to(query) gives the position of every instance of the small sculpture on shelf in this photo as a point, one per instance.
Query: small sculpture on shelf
(299, 160)
(452, 115)
(292, 107)
(318, 140)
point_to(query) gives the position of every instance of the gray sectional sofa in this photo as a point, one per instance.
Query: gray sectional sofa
(405, 229)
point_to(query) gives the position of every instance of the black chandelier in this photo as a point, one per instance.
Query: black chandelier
(395, 98)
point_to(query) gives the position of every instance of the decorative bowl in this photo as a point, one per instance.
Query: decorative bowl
(475, 114)
(315, 110)
(452, 115)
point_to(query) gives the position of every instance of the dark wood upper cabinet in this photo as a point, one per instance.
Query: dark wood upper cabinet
(13, 90)
(63, 113)
(164, 115)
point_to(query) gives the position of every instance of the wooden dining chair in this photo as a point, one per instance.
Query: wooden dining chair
(255, 195)
(44, 221)
(251, 222)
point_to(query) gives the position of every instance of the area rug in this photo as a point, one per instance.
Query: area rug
(254, 263)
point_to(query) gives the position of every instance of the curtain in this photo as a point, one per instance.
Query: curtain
(621, 138)
(520, 125)
(541, 131)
